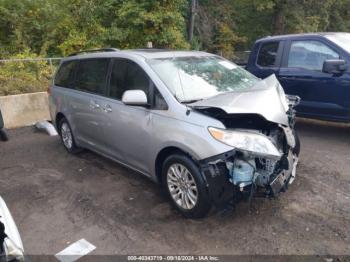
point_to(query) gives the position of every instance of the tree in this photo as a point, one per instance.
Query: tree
(140, 21)
(216, 27)
(59, 27)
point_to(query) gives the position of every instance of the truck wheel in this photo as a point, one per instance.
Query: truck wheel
(67, 137)
(183, 182)
(3, 135)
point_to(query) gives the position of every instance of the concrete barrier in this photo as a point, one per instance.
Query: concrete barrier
(25, 109)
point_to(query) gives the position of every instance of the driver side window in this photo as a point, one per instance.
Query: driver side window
(310, 55)
(127, 75)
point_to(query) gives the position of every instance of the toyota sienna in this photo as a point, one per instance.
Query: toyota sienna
(204, 128)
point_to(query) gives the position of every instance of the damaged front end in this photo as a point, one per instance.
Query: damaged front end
(245, 172)
(262, 162)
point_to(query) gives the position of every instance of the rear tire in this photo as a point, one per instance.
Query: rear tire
(185, 186)
(67, 136)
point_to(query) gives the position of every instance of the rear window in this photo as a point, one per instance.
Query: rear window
(268, 54)
(91, 75)
(65, 75)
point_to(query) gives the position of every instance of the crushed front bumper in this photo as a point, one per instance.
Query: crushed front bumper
(285, 177)
(222, 190)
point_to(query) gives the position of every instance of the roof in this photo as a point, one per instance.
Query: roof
(145, 53)
(305, 35)
(163, 53)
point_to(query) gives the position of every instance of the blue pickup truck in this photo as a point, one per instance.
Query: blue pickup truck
(315, 67)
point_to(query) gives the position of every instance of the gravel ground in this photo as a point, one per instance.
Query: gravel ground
(57, 198)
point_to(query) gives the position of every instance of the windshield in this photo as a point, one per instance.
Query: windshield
(198, 77)
(342, 40)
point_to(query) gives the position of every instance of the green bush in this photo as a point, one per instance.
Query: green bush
(18, 77)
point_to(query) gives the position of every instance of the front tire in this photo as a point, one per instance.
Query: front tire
(67, 137)
(185, 186)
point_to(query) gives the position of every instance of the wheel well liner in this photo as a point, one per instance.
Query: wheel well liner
(59, 116)
(162, 155)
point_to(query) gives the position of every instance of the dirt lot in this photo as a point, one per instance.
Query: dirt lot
(57, 199)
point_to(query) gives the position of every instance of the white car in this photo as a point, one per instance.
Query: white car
(11, 247)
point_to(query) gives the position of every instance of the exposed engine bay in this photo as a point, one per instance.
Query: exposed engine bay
(252, 173)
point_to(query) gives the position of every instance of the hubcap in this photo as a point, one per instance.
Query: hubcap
(66, 136)
(182, 186)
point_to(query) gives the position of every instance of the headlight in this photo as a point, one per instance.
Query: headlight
(257, 144)
(12, 251)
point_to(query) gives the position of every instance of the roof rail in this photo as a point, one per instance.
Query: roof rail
(94, 51)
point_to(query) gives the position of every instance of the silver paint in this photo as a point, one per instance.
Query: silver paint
(264, 99)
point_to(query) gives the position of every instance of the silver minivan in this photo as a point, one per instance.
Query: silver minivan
(204, 128)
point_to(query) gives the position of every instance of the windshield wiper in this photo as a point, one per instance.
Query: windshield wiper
(191, 101)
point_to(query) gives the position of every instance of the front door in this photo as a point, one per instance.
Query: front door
(322, 94)
(129, 130)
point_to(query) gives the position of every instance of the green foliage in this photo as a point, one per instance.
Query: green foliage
(60, 27)
(216, 27)
(253, 19)
(225, 40)
(24, 76)
(145, 21)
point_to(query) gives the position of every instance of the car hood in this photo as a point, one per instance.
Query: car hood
(266, 98)
(10, 226)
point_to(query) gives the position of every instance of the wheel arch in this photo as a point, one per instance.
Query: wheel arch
(59, 117)
(163, 154)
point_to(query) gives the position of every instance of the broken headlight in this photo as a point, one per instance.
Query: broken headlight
(251, 142)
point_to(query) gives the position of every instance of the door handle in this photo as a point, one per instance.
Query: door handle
(107, 109)
(94, 105)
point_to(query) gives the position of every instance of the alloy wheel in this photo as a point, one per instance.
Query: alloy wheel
(66, 134)
(182, 186)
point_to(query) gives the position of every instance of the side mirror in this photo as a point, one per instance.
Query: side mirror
(337, 66)
(135, 98)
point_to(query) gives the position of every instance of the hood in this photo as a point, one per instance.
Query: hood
(266, 98)
(10, 227)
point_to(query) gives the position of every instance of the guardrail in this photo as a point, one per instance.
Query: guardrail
(25, 109)
(23, 86)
